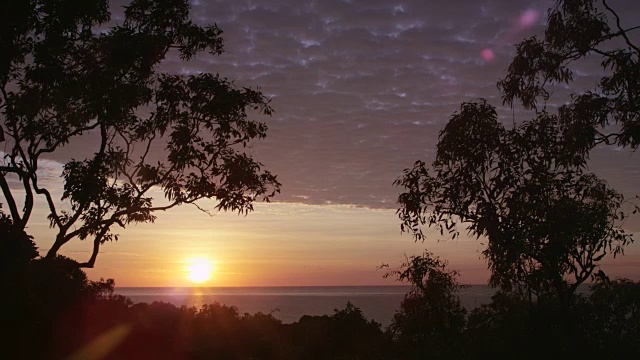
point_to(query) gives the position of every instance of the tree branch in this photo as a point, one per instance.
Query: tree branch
(12, 169)
(96, 248)
(47, 195)
(55, 145)
(621, 31)
(28, 203)
(11, 202)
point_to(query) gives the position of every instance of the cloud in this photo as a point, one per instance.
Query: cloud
(362, 88)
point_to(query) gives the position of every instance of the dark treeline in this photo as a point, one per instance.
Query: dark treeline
(53, 311)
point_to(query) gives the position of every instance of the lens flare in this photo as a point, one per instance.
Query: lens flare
(525, 20)
(487, 55)
(528, 18)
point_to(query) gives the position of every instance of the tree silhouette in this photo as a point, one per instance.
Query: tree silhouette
(581, 30)
(431, 320)
(547, 221)
(68, 71)
(613, 328)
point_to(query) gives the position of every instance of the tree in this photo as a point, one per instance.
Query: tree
(582, 30)
(346, 334)
(67, 71)
(527, 189)
(614, 325)
(17, 250)
(547, 221)
(431, 320)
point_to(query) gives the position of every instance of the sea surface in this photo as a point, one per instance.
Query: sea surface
(288, 304)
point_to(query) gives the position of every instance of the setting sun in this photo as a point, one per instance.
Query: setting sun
(199, 270)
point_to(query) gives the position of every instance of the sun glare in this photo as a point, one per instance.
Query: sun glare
(199, 270)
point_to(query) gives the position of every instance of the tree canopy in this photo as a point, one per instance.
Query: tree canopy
(69, 70)
(543, 215)
(582, 30)
(527, 190)
(431, 320)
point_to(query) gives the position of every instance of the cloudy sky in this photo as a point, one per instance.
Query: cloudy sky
(361, 89)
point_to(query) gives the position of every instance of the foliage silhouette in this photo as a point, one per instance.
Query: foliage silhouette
(334, 337)
(431, 321)
(17, 250)
(613, 322)
(579, 30)
(498, 327)
(602, 322)
(527, 192)
(50, 323)
(511, 325)
(45, 300)
(215, 331)
(69, 72)
(548, 222)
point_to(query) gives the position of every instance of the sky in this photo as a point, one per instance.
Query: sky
(360, 89)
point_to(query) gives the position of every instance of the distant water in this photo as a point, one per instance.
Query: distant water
(290, 303)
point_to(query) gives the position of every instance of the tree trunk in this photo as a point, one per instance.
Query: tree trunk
(51, 254)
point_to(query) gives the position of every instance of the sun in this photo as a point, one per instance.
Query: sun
(199, 270)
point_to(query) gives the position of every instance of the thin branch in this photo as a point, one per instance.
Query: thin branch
(146, 150)
(622, 32)
(166, 207)
(114, 219)
(47, 195)
(202, 209)
(55, 145)
(600, 52)
(606, 138)
(124, 171)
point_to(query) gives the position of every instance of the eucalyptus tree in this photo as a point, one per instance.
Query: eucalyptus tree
(431, 320)
(546, 220)
(579, 32)
(526, 190)
(69, 71)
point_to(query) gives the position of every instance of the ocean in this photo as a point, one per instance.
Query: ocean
(288, 304)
